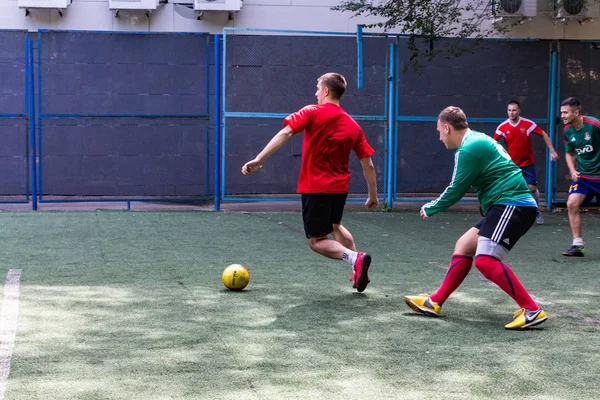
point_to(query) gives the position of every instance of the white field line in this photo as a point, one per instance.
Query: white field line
(8, 324)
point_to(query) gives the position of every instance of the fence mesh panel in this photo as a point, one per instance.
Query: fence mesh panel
(481, 84)
(579, 78)
(124, 157)
(276, 73)
(14, 130)
(124, 115)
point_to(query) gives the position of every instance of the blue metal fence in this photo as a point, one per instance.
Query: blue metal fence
(481, 84)
(405, 99)
(260, 87)
(123, 116)
(108, 119)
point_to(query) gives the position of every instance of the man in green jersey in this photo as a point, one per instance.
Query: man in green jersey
(582, 146)
(509, 211)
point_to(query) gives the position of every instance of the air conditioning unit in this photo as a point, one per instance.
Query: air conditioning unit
(580, 9)
(59, 4)
(132, 4)
(521, 8)
(217, 5)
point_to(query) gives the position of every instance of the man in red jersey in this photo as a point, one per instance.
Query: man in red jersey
(516, 131)
(330, 135)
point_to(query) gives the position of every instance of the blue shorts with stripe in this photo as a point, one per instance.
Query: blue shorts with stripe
(505, 224)
(529, 175)
(588, 187)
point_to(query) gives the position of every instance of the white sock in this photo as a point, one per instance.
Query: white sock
(578, 242)
(536, 196)
(349, 256)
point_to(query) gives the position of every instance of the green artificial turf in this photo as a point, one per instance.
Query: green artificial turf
(130, 305)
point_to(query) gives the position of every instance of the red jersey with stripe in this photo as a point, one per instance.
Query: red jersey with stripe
(517, 139)
(330, 135)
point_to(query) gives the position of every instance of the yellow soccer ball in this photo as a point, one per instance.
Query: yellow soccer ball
(235, 277)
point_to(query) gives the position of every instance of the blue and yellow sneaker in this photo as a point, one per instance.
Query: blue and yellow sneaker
(524, 319)
(574, 251)
(423, 305)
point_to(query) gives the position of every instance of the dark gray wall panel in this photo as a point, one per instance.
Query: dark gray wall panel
(124, 157)
(12, 71)
(480, 83)
(13, 157)
(279, 73)
(115, 73)
(14, 132)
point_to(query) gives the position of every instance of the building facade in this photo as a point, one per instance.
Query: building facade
(314, 15)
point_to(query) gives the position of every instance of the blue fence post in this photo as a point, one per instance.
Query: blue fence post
(556, 107)
(550, 127)
(26, 91)
(217, 123)
(391, 125)
(396, 77)
(359, 56)
(552, 131)
(31, 117)
(386, 145)
(39, 118)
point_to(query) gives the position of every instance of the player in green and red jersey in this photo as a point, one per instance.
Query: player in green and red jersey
(330, 135)
(582, 146)
(509, 211)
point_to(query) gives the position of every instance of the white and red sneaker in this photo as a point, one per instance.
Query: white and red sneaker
(361, 272)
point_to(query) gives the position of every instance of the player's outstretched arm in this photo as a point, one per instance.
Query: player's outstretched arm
(369, 173)
(466, 169)
(281, 138)
(553, 153)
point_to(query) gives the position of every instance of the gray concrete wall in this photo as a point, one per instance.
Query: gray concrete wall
(13, 131)
(124, 74)
(481, 84)
(279, 74)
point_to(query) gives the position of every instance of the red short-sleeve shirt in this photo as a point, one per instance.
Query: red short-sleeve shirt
(330, 134)
(517, 139)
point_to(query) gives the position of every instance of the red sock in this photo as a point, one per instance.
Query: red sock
(457, 272)
(499, 273)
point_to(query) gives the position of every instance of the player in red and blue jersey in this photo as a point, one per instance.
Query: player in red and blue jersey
(330, 135)
(516, 132)
(582, 146)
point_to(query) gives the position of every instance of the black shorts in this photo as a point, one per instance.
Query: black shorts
(506, 224)
(320, 211)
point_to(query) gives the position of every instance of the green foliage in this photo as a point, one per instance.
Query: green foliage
(427, 22)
